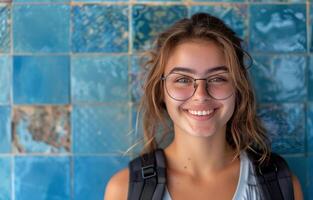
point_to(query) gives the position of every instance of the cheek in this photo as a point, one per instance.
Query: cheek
(172, 107)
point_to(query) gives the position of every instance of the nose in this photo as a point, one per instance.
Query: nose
(201, 92)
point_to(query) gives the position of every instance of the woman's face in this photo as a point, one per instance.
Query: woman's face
(199, 115)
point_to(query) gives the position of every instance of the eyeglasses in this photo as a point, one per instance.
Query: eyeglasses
(182, 87)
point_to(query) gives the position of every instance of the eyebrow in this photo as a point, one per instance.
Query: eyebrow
(192, 71)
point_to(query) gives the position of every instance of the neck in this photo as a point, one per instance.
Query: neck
(199, 155)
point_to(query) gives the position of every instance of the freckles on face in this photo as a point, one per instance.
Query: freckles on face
(200, 114)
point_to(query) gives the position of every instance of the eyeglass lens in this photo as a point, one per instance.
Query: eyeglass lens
(182, 87)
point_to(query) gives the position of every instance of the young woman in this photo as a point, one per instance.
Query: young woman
(198, 81)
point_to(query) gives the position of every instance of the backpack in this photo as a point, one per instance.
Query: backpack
(147, 180)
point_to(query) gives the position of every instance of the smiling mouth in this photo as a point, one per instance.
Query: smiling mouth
(201, 112)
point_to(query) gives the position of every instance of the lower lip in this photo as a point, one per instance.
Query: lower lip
(201, 117)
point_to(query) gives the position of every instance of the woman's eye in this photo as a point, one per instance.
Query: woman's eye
(183, 80)
(217, 80)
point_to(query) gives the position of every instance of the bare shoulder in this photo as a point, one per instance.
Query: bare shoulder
(297, 188)
(117, 187)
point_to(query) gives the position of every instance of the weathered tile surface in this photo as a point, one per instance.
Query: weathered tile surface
(235, 16)
(50, 26)
(96, 170)
(278, 28)
(6, 178)
(41, 79)
(41, 129)
(285, 126)
(99, 79)
(100, 28)
(148, 21)
(279, 78)
(5, 79)
(5, 28)
(5, 129)
(39, 178)
(100, 129)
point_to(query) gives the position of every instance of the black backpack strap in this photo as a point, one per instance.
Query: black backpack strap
(274, 177)
(147, 176)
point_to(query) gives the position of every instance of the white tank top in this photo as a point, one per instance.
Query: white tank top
(247, 188)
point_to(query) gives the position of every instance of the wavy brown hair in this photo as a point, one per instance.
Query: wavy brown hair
(244, 130)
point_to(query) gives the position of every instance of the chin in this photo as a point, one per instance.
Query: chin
(202, 133)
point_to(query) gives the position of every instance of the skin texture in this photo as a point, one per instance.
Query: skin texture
(200, 164)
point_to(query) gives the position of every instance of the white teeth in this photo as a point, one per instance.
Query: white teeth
(203, 112)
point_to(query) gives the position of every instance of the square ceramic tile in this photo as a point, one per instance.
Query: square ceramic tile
(5, 129)
(285, 124)
(41, 79)
(39, 178)
(234, 16)
(100, 28)
(278, 28)
(49, 24)
(279, 78)
(149, 21)
(5, 79)
(41, 129)
(6, 178)
(96, 171)
(99, 79)
(5, 30)
(101, 129)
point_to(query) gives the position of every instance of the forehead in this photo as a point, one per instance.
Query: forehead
(197, 56)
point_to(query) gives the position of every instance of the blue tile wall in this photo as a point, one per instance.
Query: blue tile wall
(41, 129)
(41, 79)
(87, 170)
(5, 129)
(5, 79)
(94, 130)
(234, 16)
(269, 83)
(310, 127)
(41, 178)
(285, 125)
(100, 28)
(5, 174)
(278, 28)
(148, 21)
(99, 79)
(310, 79)
(5, 30)
(71, 80)
(49, 28)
